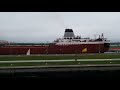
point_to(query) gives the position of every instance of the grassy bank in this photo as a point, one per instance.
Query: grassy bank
(59, 57)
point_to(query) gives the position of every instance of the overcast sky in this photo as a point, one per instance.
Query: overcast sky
(47, 26)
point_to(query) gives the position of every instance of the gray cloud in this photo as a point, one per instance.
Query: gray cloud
(47, 26)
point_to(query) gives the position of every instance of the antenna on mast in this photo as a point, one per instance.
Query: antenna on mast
(102, 36)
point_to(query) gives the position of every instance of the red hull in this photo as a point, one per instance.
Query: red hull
(53, 49)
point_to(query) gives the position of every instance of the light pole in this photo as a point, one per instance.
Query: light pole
(76, 55)
(99, 43)
(47, 48)
(60, 51)
(9, 49)
(47, 51)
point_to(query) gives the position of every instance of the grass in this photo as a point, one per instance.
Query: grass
(84, 56)
(58, 57)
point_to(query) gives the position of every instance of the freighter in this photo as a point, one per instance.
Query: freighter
(68, 44)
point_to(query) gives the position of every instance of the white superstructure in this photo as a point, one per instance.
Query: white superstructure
(70, 39)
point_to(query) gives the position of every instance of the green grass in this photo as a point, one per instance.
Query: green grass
(84, 56)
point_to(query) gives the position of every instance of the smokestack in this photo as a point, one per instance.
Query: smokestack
(69, 33)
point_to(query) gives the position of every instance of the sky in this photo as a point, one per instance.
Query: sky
(47, 26)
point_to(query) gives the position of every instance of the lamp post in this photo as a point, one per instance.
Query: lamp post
(9, 49)
(76, 55)
(47, 48)
(99, 43)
